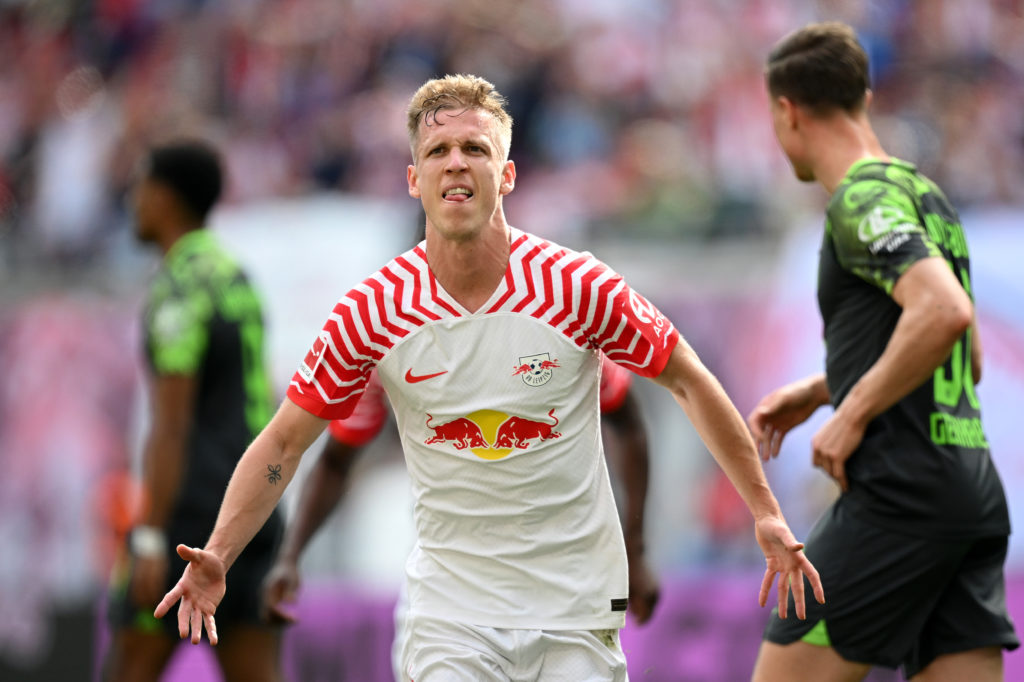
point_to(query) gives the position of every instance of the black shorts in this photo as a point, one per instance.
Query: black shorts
(242, 600)
(894, 599)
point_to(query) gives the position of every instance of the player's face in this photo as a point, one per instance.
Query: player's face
(787, 133)
(460, 172)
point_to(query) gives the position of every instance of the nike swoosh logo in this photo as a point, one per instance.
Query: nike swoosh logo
(413, 379)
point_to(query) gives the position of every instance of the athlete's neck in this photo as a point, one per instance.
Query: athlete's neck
(469, 270)
(843, 141)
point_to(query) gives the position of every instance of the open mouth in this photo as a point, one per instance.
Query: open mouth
(457, 194)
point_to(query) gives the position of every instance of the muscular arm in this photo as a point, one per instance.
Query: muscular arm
(936, 312)
(720, 426)
(260, 478)
(722, 429)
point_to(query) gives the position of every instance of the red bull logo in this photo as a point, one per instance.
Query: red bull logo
(490, 434)
(535, 369)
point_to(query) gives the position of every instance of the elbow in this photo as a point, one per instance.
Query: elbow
(957, 321)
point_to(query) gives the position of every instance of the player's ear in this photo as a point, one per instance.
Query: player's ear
(508, 178)
(413, 179)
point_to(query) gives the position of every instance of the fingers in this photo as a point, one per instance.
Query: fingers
(766, 587)
(168, 601)
(783, 595)
(798, 595)
(184, 611)
(196, 623)
(211, 628)
(189, 554)
(776, 441)
(812, 575)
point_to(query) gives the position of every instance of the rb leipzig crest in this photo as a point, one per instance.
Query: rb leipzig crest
(535, 369)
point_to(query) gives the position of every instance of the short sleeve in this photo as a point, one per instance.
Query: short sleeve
(336, 370)
(628, 328)
(877, 232)
(177, 329)
(367, 418)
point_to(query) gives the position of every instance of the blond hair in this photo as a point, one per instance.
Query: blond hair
(458, 92)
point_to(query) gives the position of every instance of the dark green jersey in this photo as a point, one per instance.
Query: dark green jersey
(924, 464)
(204, 319)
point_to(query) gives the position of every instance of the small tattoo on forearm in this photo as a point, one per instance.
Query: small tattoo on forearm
(274, 473)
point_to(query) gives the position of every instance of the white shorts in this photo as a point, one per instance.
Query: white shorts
(435, 650)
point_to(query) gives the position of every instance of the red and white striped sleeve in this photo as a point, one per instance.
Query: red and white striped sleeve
(627, 327)
(367, 419)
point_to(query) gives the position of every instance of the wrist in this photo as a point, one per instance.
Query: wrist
(148, 541)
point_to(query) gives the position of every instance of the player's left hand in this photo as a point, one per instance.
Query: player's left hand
(644, 588)
(784, 556)
(833, 444)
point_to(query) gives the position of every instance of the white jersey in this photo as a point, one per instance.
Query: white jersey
(499, 419)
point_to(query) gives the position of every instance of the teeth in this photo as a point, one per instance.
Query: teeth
(458, 190)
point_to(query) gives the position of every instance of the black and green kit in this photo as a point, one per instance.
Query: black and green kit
(924, 463)
(911, 556)
(203, 318)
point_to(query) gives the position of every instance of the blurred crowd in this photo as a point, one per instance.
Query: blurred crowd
(644, 118)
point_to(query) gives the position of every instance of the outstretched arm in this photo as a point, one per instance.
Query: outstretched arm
(321, 492)
(256, 486)
(723, 431)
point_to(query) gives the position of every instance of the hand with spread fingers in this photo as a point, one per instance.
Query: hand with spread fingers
(785, 557)
(784, 409)
(199, 590)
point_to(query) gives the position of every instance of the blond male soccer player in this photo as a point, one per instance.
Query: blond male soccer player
(912, 552)
(488, 343)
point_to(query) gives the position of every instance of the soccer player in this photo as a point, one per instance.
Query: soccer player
(911, 553)
(326, 483)
(210, 396)
(488, 341)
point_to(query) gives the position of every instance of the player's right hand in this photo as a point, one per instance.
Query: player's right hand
(784, 557)
(200, 590)
(783, 409)
(279, 588)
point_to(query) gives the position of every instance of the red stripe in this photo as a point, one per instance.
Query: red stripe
(567, 292)
(574, 330)
(399, 284)
(417, 289)
(549, 286)
(378, 299)
(531, 290)
(352, 334)
(600, 314)
(437, 299)
(363, 304)
(509, 279)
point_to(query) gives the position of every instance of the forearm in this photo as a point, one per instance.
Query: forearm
(322, 490)
(919, 344)
(260, 478)
(721, 428)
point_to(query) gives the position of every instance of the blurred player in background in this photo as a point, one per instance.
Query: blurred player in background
(326, 483)
(912, 552)
(210, 396)
(488, 342)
